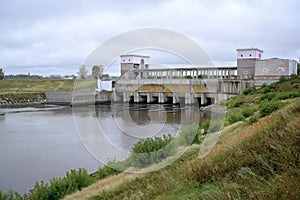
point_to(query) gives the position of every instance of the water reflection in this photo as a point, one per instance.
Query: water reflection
(42, 142)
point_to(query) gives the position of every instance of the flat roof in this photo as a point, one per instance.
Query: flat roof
(134, 55)
(243, 49)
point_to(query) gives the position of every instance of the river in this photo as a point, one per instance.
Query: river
(38, 143)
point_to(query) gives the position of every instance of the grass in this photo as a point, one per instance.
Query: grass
(21, 86)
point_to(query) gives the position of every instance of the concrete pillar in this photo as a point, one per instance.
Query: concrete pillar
(162, 97)
(137, 98)
(203, 99)
(150, 98)
(189, 98)
(115, 96)
(126, 97)
(175, 97)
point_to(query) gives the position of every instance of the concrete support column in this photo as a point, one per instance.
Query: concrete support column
(150, 98)
(189, 98)
(175, 97)
(162, 97)
(203, 99)
(115, 96)
(126, 97)
(137, 98)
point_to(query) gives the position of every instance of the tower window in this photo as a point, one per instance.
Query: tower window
(250, 55)
(241, 55)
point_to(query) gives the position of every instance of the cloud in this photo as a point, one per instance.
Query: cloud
(50, 33)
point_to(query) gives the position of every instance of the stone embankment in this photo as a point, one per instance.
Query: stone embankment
(21, 99)
(58, 98)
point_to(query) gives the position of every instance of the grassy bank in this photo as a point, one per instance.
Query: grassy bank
(21, 86)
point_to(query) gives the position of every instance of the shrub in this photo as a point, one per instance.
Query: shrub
(248, 91)
(201, 76)
(212, 126)
(267, 108)
(235, 102)
(248, 111)
(286, 95)
(151, 144)
(282, 79)
(107, 170)
(10, 195)
(269, 96)
(59, 187)
(188, 77)
(253, 119)
(267, 88)
(150, 150)
(188, 135)
(234, 117)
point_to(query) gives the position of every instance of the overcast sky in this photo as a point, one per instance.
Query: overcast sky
(55, 37)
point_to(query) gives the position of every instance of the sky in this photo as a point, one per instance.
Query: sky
(47, 37)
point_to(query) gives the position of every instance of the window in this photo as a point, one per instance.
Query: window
(241, 55)
(250, 55)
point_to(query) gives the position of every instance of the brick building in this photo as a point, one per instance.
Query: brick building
(250, 65)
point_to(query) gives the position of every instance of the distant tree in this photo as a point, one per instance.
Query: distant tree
(82, 73)
(97, 71)
(298, 69)
(1, 74)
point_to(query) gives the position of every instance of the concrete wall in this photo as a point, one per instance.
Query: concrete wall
(134, 59)
(249, 54)
(245, 68)
(272, 68)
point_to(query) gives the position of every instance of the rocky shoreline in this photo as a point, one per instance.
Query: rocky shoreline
(22, 99)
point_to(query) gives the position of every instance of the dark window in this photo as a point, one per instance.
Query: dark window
(250, 55)
(241, 55)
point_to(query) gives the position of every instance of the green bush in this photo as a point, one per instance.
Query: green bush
(235, 102)
(150, 150)
(188, 135)
(267, 88)
(267, 107)
(188, 77)
(59, 187)
(287, 95)
(234, 117)
(10, 195)
(269, 96)
(282, 79)
(201, 76)
(249, 91)
(253, 119)
(211, 126)
(248, 111)
(107, 170)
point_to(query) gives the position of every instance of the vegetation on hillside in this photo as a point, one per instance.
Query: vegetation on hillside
(253, 160)
(257, 157)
